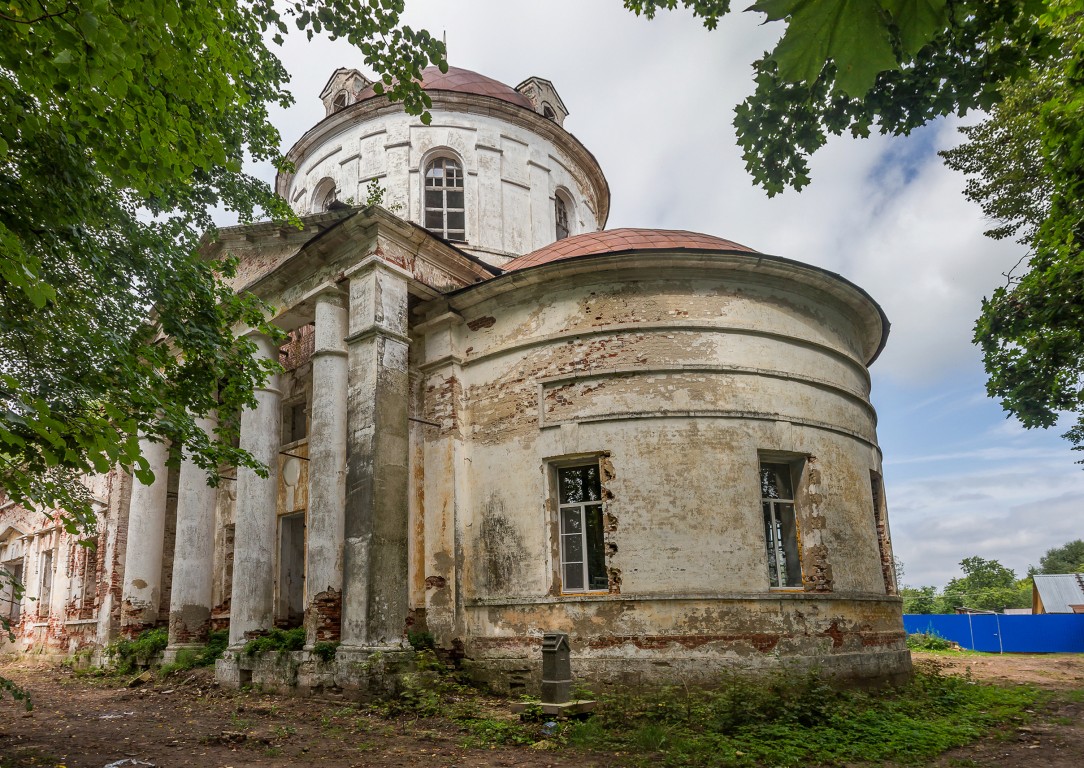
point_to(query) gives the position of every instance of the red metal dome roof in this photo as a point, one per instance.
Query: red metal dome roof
(463, 81)
(621, 240)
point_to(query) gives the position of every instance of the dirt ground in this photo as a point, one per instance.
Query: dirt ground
(79, 722)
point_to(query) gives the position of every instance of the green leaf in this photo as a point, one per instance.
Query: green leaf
(918, 21)
(851, 33)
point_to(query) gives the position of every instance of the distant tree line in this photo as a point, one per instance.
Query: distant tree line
(987, 585)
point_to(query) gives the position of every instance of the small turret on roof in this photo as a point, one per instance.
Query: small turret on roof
(544, 99)
(343, 89)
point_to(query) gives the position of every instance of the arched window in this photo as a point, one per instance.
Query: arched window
(548, 113)
(560, 216)
(340, 102)
(444, 207)
(324, 195)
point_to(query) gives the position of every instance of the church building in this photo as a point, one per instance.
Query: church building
(497, 419)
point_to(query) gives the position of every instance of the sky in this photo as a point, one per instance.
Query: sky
(654, 101)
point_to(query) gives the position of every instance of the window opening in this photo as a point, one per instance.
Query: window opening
(90, 579)
(548, 113)
(291, 598)
(11, 606)
(583, 553)
(340, 102)
(561, 217)
(295, 424)
(45, 591)
(327, 200)
(780, 525)
(444, 207)
(324, 195)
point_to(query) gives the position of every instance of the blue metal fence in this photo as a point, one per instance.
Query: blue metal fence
(1044, 633)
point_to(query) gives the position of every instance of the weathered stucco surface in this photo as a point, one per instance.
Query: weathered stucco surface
(429, 404)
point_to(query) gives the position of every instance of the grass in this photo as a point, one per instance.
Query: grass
(779, 721)
(786, 722)
(190, 658)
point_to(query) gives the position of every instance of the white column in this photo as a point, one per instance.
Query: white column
(375, 567)
(193, 553)
(253, 589)
(143, 550)
(327, 471)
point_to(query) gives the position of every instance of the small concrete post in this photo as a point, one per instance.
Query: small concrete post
(556, 668)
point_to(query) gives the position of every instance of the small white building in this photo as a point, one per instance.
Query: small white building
(497, 419)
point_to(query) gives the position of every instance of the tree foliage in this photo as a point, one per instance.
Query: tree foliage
(1031, 330)
(860, 65)
(920, 600)
(125, 122)
(986, 585)
(1068, 558)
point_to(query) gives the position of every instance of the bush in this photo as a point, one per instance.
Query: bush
(927, 641)
(325, 650)
(127, 655)
(281, 640)
(205, 656)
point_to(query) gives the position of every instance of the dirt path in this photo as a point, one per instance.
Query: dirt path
(1055, 738)
(189, 721)
(79, 724)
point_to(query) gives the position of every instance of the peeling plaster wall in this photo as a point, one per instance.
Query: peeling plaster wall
(82, 610)
(677, 380)
(511, 174)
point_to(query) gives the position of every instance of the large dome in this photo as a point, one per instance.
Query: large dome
(463, 81)
(622, 240)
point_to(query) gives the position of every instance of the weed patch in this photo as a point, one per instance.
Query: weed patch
(281, 640)
(128, 655)
(927, 641)
(190, 658)
(325, 650)
(783, 722)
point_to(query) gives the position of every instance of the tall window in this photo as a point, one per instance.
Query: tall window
(10, 599)
(45, 584)
(780, 525)
(561, 216)
(444, 208)
(583, 555)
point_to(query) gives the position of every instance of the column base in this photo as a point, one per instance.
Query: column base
(169, 655)
(356, 673)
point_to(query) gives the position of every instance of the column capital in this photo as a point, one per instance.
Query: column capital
(377, 330)
(326, 293)
(375, 264)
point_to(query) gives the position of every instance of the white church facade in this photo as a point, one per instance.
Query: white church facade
(496, 419)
